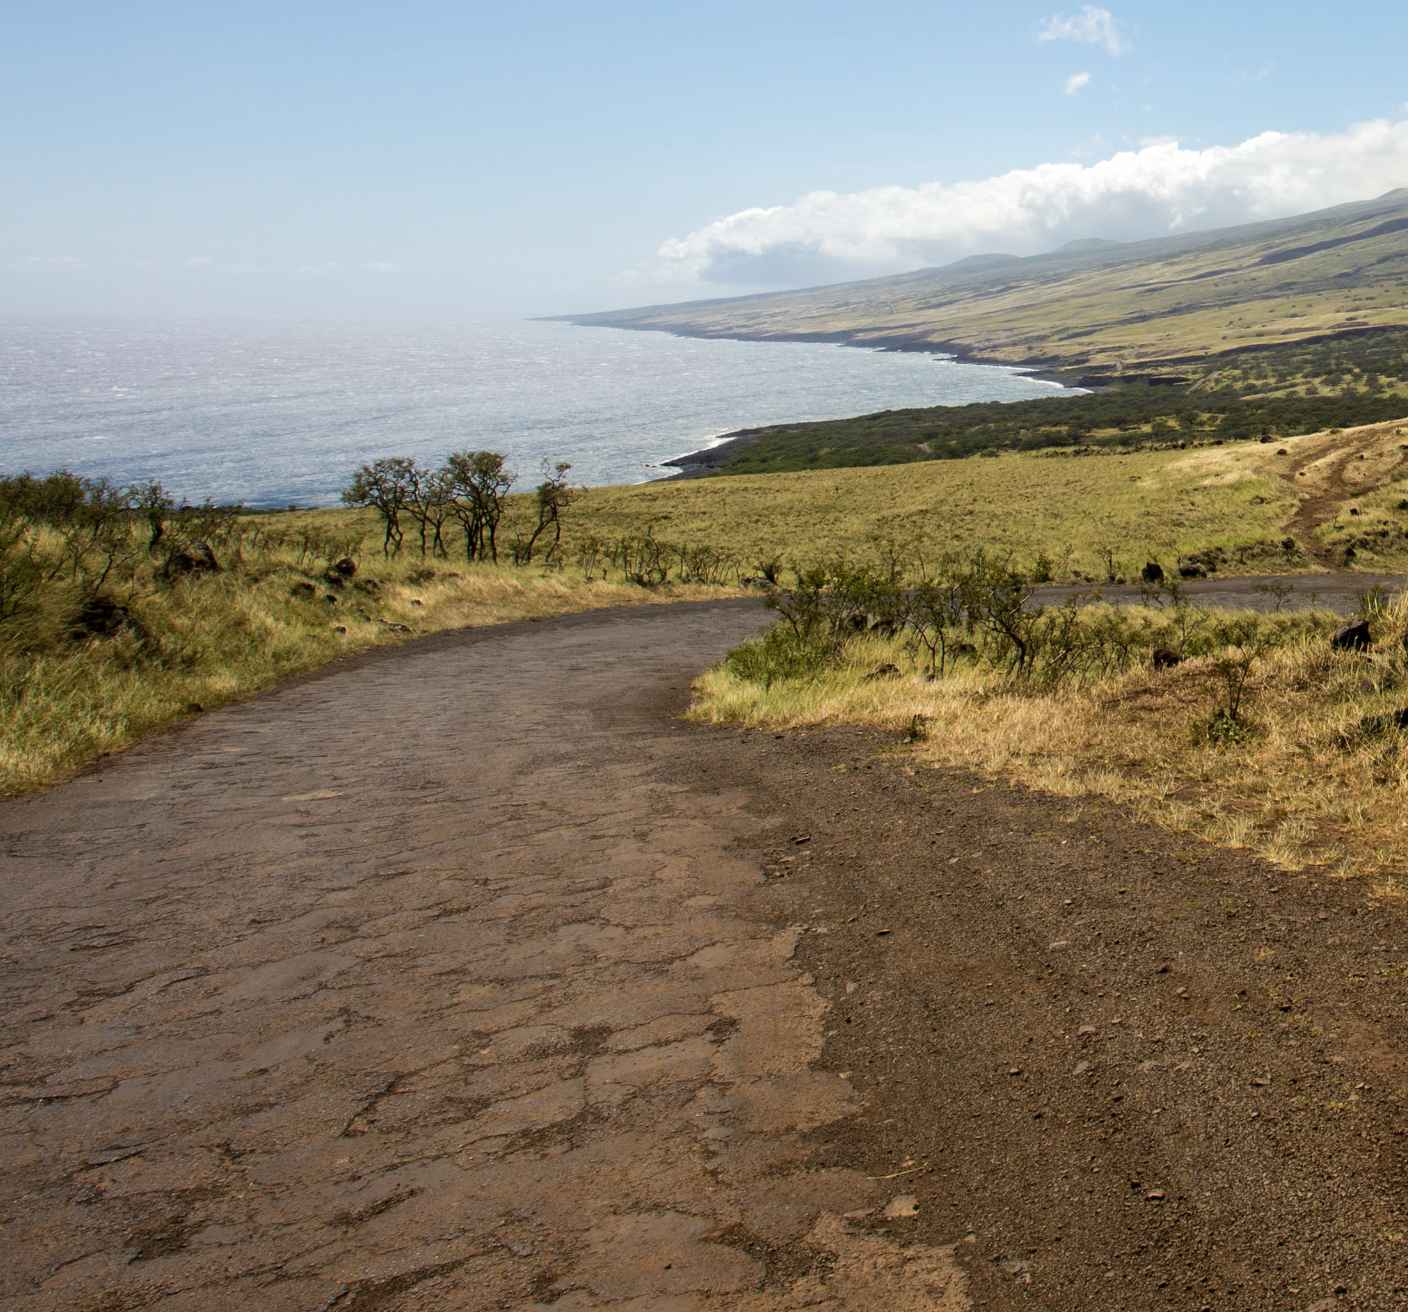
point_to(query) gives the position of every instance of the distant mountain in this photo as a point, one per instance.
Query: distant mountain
(1095, 305)
(1083, 245)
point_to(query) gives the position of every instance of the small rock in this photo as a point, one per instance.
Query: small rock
(1156, 1195)
(1086, 1032)
(1081, 1067)
(1353, 637)
(901, 1206)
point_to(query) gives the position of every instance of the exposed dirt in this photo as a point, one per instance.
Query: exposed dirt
(465, 976)
(1322, 477)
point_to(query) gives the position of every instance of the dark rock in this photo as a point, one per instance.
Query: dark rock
(1354, 510)
(1374, 726)
(181, 563)
(1353, 637)
(1165, 659)
(1153, 572)
(1264, 439)
(304, 591)
(345, 568)
(334, 581)
(886, 671)
(102, 617)
(1281, 451)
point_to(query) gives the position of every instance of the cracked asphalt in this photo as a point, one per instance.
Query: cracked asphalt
(438, 980)
(465, 975)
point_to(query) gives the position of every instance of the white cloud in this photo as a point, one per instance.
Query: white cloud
(1077, 82)
(1157, 189)
(1093, 26)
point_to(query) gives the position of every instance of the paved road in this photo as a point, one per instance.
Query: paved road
(1341, 592)
(431, 982)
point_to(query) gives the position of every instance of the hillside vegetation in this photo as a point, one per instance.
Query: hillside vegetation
(1283, 392)
(1115, 309)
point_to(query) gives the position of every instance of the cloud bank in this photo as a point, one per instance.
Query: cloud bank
(1159, 189)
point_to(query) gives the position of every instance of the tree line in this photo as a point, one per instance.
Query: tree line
(469, 491)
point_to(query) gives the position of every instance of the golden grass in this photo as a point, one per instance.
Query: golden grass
(1150, 503)
(1304, 787)
(1071, 509)
(212, 640)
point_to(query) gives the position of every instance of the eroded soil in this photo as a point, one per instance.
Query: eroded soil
(465, 976)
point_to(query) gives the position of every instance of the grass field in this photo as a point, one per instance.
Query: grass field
(1071, 508)
(1314, 773)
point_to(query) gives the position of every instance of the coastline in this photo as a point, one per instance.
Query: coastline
(705, 460)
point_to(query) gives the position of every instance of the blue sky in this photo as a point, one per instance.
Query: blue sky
(540, 157)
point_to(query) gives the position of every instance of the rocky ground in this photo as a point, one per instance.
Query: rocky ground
(466, 976)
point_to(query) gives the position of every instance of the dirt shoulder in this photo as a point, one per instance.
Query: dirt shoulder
(1134, 1070)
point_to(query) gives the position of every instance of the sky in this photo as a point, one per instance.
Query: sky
(444, 158)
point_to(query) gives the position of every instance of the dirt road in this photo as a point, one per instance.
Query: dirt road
(465, 976)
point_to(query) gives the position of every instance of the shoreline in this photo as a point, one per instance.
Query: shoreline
(697, 464)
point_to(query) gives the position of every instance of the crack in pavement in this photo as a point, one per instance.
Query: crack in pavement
(577, 1071)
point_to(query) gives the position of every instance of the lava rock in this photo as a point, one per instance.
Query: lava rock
(1353, 637)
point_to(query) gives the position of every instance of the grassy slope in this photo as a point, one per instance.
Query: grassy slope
(1130, 307)
(1243, 498)
(1161, 503)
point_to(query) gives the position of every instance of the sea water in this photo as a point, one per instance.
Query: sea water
(273, 415)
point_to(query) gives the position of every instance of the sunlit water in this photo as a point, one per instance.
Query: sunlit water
(275, 416)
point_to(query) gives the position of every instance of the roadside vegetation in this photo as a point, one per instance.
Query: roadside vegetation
(121, 612)
(1286, 733)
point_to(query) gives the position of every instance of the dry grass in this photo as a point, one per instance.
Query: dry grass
(1305, 785)
(1161, 504)
(210, 640)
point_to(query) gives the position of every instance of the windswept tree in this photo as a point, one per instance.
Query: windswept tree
(478, 483)
(385, 486)
(554, 494)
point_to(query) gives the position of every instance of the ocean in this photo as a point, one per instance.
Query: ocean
(282, 415)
